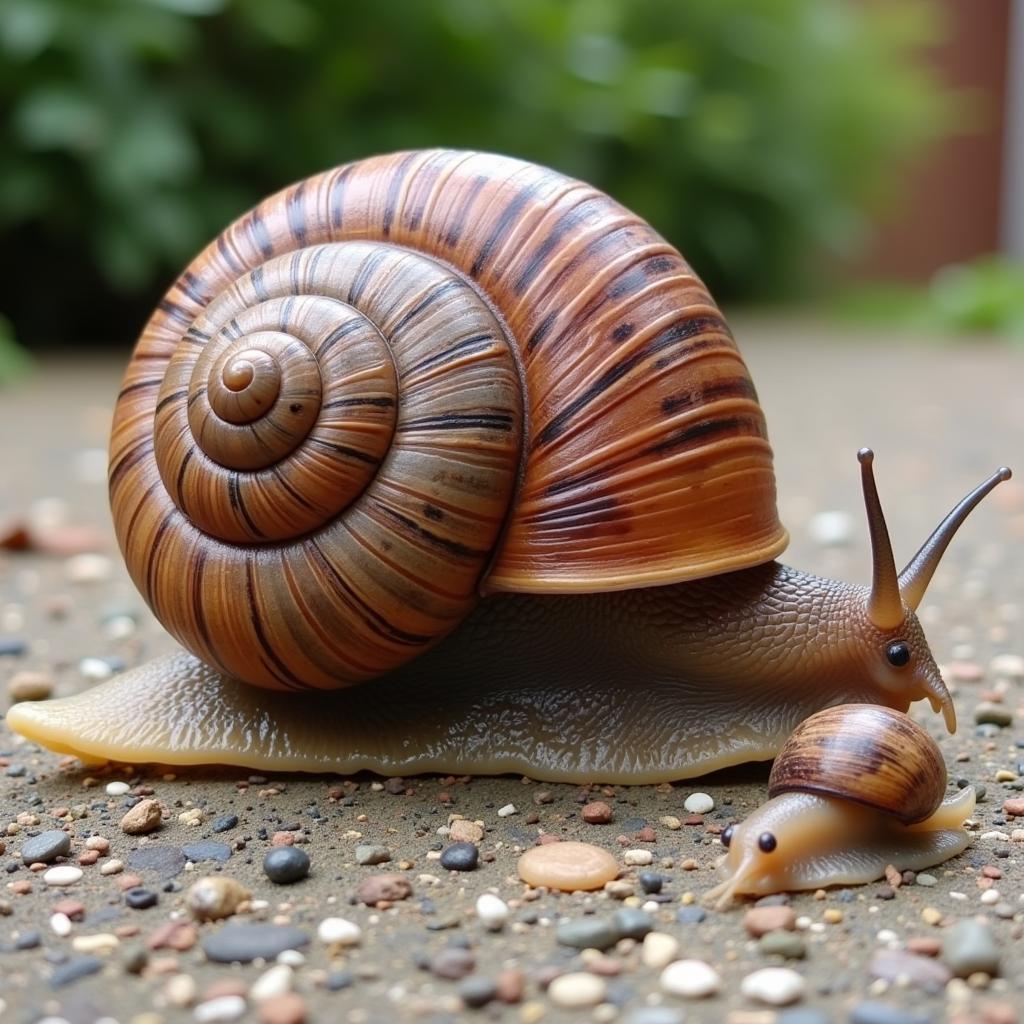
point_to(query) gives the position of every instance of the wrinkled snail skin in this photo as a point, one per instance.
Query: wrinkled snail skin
(470, 434)
(639, 686)
(825, 841)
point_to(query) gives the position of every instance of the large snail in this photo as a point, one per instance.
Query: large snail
(424, 379)
(854, 789)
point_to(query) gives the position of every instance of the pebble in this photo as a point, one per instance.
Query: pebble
(224, 823)
(367, 854)
(638, 858)
(287, 1008)
(567, 866)
(872, 1012)
(699, 803)
(375, 888)
(214, 897)
(337, 931)
(141, 899)
(650, 881)
(112, 867)
(101, 942)
(247, 942)
(463, 831)
(993, 714)
(968, 947)
(588, 933)
(1008, 666)
(760, 920)
(118, 788)
(659, 950)
(691, 915)
(453, 963)
(460, 857)
(925, 879)
(284, 865)
(831, 528)
(27, 685)
(632, 923)
(897, 964)
(476, 991)
(492, 911)
(163, 860)
(782, 943)
(144, 817)
(75, 968)
(691, 979)
(63, 874)
(46, 847)
(207, 849)
(88, 568)
(507, 811)
(1014, 807)
(577, 990)
(776, 986)
(60, 924)
(222, 1008)
(273, 982)
(597, 813)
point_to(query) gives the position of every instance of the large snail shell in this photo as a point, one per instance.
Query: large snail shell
(872, 755)
(412, 378)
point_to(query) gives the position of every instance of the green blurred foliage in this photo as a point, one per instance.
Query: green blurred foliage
(753, 133)
(985, 296)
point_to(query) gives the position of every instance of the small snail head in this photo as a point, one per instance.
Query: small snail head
(897, 658)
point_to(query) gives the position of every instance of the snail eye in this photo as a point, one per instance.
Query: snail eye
(726, 836)
(898, 654)
(766, 842)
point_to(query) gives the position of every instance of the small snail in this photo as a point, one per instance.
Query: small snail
(424, 379)
(854, 789)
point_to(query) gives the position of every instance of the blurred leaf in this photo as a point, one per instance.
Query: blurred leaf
(55, 117)
(14, 360)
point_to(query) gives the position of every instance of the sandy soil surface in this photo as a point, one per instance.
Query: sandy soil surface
(940, 419)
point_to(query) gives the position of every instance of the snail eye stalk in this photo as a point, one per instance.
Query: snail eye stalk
(766, 842)
(726, 837)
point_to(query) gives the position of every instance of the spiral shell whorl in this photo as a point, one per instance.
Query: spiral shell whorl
(319, 526)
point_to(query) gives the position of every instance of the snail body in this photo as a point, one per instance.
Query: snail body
(469, 434)
(855, 788)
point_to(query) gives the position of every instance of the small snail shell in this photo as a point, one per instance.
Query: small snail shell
(424, 379)
(854, 789)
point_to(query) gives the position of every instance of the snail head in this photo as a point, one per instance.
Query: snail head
(901, 662)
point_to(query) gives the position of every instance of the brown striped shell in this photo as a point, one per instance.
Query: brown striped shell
(414, 379)
(869, 754)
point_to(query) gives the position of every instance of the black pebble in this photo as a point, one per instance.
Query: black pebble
(224, 822)
(141, 899)
(477, 990)
(632, 922)
(650, 881)
(286, 864)
(72, 970)
(460, 857)
(13, 647)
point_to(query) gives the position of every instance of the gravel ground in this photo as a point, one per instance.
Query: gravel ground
(940, 419)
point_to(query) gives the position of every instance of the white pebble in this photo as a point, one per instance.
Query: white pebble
(691, 979)
(102, 942)
(1008, 666)
(492, 911)
(112, 867)
(291, 957)
(777, 986)
(88, 568)
(659, 950)
(336, 931)
(831, 528)
(506, 811)
(699, 803)
(577, 989)
(95, 668)
(64, 874)
(274, 982)
(1000, 837)
(117, 788)
(990, 896)
(638, 858)
(61, 925)
(886, 935)
(180, 990)
(221, 1008)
